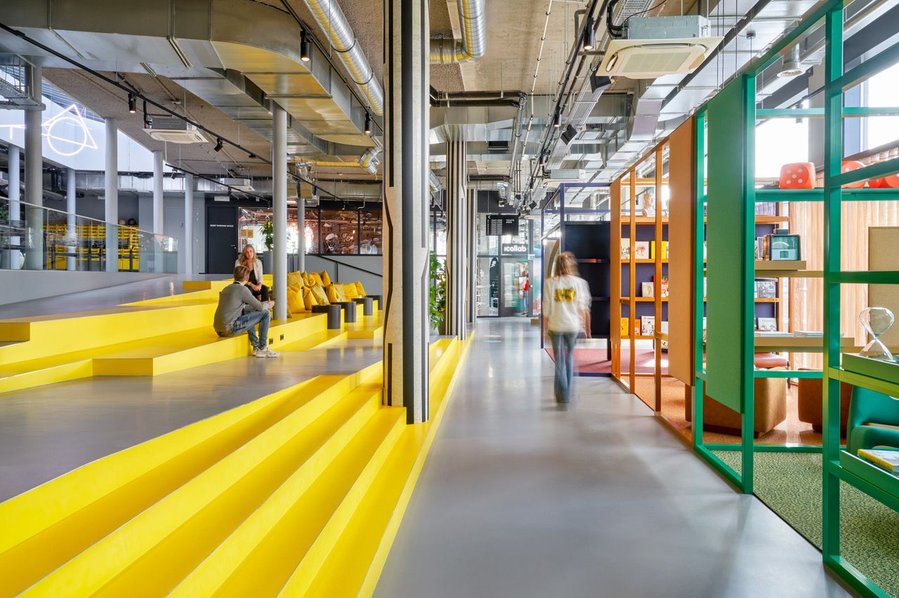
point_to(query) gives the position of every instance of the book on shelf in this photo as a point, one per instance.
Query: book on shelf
(646, 289)
(663, 328)
(652, 250)
(883, 458)
(641, 250)
(625, 249)
(625, 325)
(663, 284)
(765, 288)
(647, 325)
(766, 324)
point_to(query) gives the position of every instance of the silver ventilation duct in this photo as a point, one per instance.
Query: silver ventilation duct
(473, 20)
(333, 23)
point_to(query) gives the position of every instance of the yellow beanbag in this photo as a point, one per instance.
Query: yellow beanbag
(308, 299)
(295, 279)
(320, 296)
(350, 291)
(295, 299)
(332, 294)
(326, 278)
(360, 289)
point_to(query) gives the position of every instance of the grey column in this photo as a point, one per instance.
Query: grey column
(13, 259)
(158, 227)
(279, 205)
(301, 228)
(71, 229)
(188, 245)
(456, 223)
(406, 124)
(472, 256)
(112, 196)
(34, 175)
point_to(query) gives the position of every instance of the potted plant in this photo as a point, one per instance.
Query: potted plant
(437, 295)
(268, 238)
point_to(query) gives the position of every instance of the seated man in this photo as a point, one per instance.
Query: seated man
(239, 311)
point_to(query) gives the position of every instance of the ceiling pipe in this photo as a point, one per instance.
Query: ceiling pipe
(473, 20)
(333, 23)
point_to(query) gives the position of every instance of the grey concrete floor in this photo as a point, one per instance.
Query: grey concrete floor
(48, 431)
(520, 499)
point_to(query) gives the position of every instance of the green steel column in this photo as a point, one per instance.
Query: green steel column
(698, 277)
(748, 269)
(833, 154)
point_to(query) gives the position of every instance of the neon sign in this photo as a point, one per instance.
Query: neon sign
(52, 131)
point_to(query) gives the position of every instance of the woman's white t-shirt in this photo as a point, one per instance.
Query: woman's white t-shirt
(565, 299)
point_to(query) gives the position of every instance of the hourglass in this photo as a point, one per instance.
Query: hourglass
(876, 321)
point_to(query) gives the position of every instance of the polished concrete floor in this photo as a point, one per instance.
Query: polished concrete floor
(518, 498)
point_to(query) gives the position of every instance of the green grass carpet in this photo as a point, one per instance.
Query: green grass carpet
(790, 484)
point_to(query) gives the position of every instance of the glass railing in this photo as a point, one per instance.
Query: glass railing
(38, 238)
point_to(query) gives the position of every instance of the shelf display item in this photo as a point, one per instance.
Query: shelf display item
(648, 325)
(663, 328)
(652, 250)
(767, 324)
(876, 321)
(765, 288)
(663, 284)
(646, 289)
(886, 182)
(849, 166)
(641, 250)
(798, 175)
(625, 249)
(887, 459)
(625, 327)
(783, 247)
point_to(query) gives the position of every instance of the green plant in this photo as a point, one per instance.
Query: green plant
(437, 293)
(268, 233)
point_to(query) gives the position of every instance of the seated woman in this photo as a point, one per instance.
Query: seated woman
(252, 263)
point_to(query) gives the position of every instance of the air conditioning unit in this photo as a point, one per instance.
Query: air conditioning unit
(658, 46)
(245, 185)
(174, 130)
(565, 175)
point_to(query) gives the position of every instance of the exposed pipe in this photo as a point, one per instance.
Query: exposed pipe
(473, 20)
(333, 23)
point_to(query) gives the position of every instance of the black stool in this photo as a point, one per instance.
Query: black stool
(333, 311)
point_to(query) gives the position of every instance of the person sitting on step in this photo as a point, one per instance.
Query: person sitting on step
(249, 259)
(239, 311)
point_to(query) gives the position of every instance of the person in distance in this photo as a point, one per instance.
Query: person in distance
(238, 312)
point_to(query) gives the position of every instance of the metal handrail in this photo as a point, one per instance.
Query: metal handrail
(339, 263)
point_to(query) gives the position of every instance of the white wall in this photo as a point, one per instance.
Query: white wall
(375, 263)
(25, 285)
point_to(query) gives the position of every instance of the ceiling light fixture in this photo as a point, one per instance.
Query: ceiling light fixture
(557, 118)
(219, 144)
(792, 64)
(589, 34)
(367, 123)
(305, 47)
(132, 103)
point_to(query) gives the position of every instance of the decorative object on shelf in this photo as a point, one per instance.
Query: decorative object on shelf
(663, 284)
(646, 289)
(625, 249)
(663, 328)
(625, 327)
(765, 288)
(887, 459)
(849, 166)
(783, 246)
(761, 247)
(641, 250)
(798, 175)
(647, 325)
(768, 208)
(886, 182)
(652, 250)
(767, 324)
(876, 321)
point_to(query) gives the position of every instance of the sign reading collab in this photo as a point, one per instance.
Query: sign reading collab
(514, 248)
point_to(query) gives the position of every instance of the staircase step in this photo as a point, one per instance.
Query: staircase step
(299, 523)
(157, 549)
(52, 523)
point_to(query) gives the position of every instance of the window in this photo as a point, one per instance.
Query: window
(370, 223)
(338, 231)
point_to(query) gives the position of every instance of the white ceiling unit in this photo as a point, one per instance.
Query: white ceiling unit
(241, 184)
(659, 46)
(174, 130)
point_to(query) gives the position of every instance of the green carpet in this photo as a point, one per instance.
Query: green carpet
(790, 484)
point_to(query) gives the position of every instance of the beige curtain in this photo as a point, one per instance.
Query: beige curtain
(807, 294)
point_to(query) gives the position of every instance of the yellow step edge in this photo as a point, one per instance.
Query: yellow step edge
(74, 370)
(155, 549)
(48, 525)
(280, 532)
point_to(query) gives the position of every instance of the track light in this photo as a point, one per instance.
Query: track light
(218, 145)
(557, 118)
(792, 66)
(132, 103)
(367, 123)
(305, 47)
(589, 34)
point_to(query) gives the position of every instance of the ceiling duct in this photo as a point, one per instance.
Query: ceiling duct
(472, 19)
(245, 185)
(333, 23)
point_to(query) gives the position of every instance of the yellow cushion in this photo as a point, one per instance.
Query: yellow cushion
(294, 279)
(316, 278)
(326, 278)
(308, 299)
(295, 303)
(320, 296)
(332, 294)
(350, 291)
(360, 289)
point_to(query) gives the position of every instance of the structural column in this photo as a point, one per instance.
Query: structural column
(279, 208)
(301, 228)
(158, 224)
(188, 246)
(406, 123)
(71, 229)
(456, 223)
(472, 256)
(34, 175)
(112, 196)
(15, 206)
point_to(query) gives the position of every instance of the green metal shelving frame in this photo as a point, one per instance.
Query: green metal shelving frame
(838, 465)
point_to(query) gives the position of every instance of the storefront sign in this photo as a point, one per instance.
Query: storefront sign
(511, 248)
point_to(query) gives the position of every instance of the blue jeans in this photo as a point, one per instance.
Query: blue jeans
(247, 322)
(563, 356)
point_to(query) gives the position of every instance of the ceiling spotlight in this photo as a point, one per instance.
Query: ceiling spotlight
(589, 34)
(218, 145)
(557, 118)
(132, 103)
(792, 64)
(367, 123)
(305, 47)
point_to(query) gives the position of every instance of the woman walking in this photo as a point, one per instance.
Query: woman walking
(566, 308)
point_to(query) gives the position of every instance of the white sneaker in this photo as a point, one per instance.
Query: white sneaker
(261, 353)
(269, 353)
